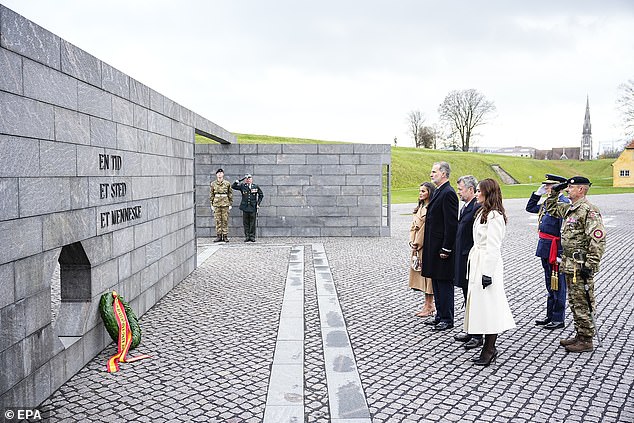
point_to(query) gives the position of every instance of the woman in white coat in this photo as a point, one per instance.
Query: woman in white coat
(487, 310)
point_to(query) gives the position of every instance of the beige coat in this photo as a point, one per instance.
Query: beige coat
(487, 310)
(416, 238)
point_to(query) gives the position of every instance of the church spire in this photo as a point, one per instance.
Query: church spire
(586, 136)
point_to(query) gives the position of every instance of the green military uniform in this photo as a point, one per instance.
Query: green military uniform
(221, 198)
(583, 242)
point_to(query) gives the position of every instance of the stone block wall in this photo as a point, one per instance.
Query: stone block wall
(309, 189)
(96, 173)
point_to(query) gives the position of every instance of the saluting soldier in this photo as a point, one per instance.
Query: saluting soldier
(252, 196)
(549, 250)
(583, 242)
(221, 198)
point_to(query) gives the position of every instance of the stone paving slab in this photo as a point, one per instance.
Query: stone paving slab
(213, 339)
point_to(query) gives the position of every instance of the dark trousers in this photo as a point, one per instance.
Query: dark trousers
(248, 222)
(443, 299)
(556, 303)
(464, 295)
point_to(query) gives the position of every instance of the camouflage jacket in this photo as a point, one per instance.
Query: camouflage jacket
(220, 194)
(582, 231)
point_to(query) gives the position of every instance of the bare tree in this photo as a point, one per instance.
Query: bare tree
(427, 136)
(415, 120)
(625, 103)
(463, 111)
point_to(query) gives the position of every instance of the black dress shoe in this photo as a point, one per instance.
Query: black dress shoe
(443, 326)
(486, 358)
(554, 325)
(541, 322)
(431, 322)
(473, 343)
(462, 337)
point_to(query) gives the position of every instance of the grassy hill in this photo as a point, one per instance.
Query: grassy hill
(411, 166)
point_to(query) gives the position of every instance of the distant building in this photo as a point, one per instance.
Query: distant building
(558, 153)
(516, 151)
(623, 168)
(586, 137)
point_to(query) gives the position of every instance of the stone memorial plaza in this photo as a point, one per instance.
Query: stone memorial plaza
(213, 340)
(100, 177)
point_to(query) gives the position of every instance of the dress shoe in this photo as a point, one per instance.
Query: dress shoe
(431, 322)
(541, 322)
(443, 326)
(473, 343)
(252, 239)
(554, 325)
(462, 337)
(486, 359)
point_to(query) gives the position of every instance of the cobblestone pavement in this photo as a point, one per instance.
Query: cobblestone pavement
(212, 339)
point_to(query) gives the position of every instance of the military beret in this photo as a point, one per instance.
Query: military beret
(579, 180)
(220, 170)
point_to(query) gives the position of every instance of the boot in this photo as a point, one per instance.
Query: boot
(224, 238)
(583, 344)
(569, 341)
(218, 238)
(488, 353)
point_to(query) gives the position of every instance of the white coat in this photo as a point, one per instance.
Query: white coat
(487, 310)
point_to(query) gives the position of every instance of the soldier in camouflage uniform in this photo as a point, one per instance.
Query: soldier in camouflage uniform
(221, 197)
(583, 242)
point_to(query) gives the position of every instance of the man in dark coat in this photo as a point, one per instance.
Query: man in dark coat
(549, 232)
(440, 236)
(464, 241)
(252, 196)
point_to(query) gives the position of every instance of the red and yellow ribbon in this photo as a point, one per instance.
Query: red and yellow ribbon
(125, 337)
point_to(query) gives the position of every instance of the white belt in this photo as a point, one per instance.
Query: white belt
(220, 195)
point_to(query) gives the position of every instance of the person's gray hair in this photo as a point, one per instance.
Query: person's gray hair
(444, 168)
(469, 181)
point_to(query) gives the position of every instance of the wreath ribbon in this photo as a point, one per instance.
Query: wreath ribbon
(125, 337)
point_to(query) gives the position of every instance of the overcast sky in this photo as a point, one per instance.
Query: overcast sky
(352, 70)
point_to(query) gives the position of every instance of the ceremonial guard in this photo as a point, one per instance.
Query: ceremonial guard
(549, 250)
(252, 196)
(583, 242)
(221, 197)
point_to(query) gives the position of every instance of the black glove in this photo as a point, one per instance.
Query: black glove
(486, 281)
(586, 272)
(560, 186)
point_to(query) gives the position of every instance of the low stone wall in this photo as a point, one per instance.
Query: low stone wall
(96, 175)
(309, 189)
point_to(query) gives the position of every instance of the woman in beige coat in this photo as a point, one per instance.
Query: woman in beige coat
(416, 236)
(487, 310)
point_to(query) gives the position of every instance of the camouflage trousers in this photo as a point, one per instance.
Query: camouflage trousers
(221, 216)
(578, 302)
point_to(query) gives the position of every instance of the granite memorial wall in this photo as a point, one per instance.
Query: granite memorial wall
(96, 194)
(309, 189)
